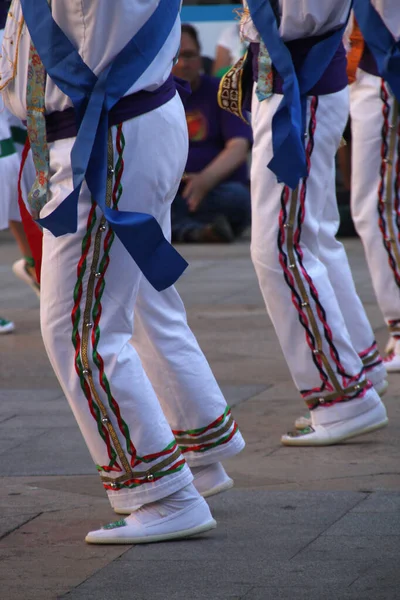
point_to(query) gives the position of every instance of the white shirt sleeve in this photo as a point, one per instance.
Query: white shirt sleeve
(389, 10)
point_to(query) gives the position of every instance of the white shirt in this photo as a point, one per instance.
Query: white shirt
(98, 29)
(303, 18)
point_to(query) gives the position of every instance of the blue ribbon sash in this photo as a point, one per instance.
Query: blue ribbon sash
(381, 42)
(93, 97)
(288, 124)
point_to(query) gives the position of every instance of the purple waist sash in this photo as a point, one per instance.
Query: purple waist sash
(334, 78)
(368, 62)
(62, 124)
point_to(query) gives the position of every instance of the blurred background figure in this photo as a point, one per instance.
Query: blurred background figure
(25, 267)
(12, 140)
(229, 49)
(9, 166)
(213, 201)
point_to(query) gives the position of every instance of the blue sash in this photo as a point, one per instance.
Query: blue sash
(382, 44)
(288, 124)
(93, 97)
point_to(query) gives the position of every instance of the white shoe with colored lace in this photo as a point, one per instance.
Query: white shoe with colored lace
(179, 516)
(303, 422)
(342, 421)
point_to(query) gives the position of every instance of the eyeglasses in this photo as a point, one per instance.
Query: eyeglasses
(188, 55)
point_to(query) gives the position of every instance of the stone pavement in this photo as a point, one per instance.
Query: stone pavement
(306, 523)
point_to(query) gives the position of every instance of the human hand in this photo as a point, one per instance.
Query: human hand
(196, 188)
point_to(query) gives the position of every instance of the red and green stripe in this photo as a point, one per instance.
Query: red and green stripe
(76, 340)
(97, 307)
(133, 483)
(203, 430)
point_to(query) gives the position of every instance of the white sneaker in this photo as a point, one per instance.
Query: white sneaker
(304, 422)
(21, 271)
(340, 422)
(208, 481)
(174, 517)
(6, 326)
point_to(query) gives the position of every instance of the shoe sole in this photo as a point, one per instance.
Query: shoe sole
(218, 489)
(176, 535)
(303, 441)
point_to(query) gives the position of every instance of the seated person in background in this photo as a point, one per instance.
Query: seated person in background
(213, 201)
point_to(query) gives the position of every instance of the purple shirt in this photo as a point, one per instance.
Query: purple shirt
(210, 128)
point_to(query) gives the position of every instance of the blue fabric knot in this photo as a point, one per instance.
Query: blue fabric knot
(381, 42)
(288, 124)
(93, 97)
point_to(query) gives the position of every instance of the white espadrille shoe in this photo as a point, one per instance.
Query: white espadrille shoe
(208, 481)
(171, 518)
(340, 422)
(304, 422)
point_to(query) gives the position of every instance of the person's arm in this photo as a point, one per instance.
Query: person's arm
(199, 184)
(226, 48)
(222, 60)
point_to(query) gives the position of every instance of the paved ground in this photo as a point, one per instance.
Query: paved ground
(305, 524)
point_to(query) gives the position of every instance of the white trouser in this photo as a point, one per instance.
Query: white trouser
(302, 269)
(333, 255)
(89, 288)
(375, 183)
